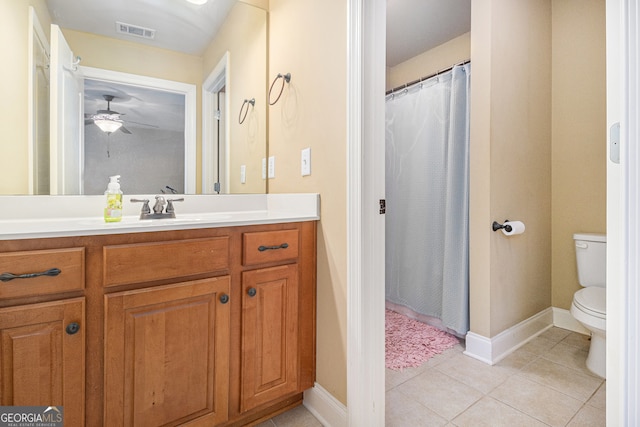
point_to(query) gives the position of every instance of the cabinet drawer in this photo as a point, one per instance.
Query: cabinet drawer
(144, 262)
(269, 246)
(69, 261)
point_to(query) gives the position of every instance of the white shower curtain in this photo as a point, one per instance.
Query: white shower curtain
(427, 192)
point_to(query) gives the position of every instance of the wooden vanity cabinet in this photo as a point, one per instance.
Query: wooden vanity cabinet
(42, 345)
(166, 354)
(171, 330)
(269, 334)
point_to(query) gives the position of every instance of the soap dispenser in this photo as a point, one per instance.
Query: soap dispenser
(113, 210)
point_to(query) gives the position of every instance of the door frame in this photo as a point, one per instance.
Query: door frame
(214, 162)
(366, 34)
(36, 34)
(190, 110)
(623, 214)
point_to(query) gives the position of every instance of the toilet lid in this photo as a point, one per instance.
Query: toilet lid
(592, 300)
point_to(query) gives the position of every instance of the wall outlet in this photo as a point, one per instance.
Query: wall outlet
(272, 167)
(243, 174)
(264, 168)
(305, 162)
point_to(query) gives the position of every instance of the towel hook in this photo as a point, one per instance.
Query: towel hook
(286, 78)
(246, 102)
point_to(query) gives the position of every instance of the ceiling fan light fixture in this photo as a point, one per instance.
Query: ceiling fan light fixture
(198, 2)
(108, 125)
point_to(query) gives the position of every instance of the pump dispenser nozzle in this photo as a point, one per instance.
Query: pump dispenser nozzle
(114, 183)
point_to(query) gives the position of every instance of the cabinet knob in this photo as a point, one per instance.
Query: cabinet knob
(72, 328)
(224, 298)
(252, 292)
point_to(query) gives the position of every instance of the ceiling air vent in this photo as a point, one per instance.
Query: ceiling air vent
(134, 30)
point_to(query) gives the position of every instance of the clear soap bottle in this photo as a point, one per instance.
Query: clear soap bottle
(113, 209)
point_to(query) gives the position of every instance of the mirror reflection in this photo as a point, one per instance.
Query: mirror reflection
(53, 144)
(129, 130)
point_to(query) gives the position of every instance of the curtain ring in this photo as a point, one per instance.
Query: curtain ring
(246, 102)
(285, 79)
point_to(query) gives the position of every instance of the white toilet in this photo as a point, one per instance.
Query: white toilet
(589, 304)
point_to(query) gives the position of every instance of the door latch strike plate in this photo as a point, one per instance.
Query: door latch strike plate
(383, 206)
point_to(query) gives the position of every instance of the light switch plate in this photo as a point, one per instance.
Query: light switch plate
(272, 167)
(243, 174)
(305, 162)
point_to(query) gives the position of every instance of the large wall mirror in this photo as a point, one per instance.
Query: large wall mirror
(170, 95)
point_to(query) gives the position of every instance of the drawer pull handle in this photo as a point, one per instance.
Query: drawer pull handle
(5, 277)
(252, 292)
(224, 298)
(72, 328)
(268, 248)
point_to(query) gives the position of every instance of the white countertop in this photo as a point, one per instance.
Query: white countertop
(30, 217)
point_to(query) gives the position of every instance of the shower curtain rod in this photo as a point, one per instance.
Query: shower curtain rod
(406, 85)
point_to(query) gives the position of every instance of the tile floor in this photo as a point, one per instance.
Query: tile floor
(544, 383)
(296, 417)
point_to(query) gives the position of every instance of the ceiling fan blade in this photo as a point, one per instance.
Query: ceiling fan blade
(143, 124)
(110, 112)
(125, 130)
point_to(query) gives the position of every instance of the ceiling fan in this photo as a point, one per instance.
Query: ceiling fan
(109, 120)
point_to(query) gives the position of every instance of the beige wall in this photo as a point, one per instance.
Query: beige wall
(134, 58)
(308, 39)
(579, 135)
(244, 37)
(14, 35)
(510, 161)
(430, 62)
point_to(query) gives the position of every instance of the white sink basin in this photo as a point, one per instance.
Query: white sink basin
(136, 221)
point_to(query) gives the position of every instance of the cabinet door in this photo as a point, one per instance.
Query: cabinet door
(42, 351)
(167, 354)
(269, 334)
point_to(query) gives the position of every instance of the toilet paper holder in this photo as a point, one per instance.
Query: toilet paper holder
(497, 226)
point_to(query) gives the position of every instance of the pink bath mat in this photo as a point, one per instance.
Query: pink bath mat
(410, 343)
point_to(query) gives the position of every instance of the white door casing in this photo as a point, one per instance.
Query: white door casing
(67, 124)
(365, 224)
(215, 160)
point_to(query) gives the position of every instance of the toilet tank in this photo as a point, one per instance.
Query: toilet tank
(591, 257)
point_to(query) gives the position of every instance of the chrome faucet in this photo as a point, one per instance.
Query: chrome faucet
(169, 212)
(159, 206)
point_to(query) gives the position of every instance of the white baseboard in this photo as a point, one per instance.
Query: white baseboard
(563, 319)
(492, 350)
(326, 408)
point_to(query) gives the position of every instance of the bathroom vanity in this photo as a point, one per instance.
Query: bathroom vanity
(206, 320)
